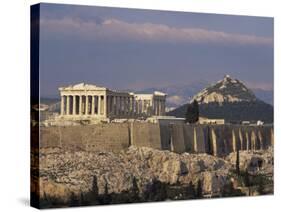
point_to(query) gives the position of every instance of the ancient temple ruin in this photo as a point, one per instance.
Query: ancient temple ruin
(87, 101)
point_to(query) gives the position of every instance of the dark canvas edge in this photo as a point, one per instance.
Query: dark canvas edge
(34, 100)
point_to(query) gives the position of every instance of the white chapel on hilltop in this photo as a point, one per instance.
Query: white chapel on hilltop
(88, 101)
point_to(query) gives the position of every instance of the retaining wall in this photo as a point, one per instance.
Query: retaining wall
(145, 134)
(217, 140)
(100, 137)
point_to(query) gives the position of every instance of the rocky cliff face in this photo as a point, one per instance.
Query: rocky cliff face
(64, 173)
(226, 90)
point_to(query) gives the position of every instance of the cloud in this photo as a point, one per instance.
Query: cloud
(177, 100)
(118, 30)
(260, 85)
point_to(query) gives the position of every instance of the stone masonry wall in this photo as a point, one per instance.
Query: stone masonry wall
(145, 134)
(100, 137)
(218, 140)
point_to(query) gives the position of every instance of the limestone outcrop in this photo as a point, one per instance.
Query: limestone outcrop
(68, 172)
(254, 161)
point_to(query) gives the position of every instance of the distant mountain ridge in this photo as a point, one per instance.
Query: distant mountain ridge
(231, 100)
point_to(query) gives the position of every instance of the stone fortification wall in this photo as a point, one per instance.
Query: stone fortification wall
(218, 140)
(99, 137)
(145, 134)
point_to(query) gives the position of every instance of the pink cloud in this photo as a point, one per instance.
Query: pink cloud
(116, 30)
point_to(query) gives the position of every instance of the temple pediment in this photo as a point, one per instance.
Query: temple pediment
(158, 93)
(83, 86)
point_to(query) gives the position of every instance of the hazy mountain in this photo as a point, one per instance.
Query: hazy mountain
(229, 99)
(178, 94)
(264, 95)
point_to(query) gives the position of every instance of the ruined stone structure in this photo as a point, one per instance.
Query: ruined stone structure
(85, 101)
(217, 140)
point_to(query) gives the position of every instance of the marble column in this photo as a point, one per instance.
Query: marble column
(73, 105)
(87, 105)
(118, 105)
(126, 105)
(93, 105)
(105, 105)
(80, 105)
(99, 105)
(115, 105)
(160, 107)
(112, 105)
(158, 112)
(62, 105)
(137, 107)
(155, 107)
(134, 105)
(131, 106)
(67, 104)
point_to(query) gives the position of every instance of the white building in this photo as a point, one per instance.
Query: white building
(204, 120)
(86, 101)
(166, 120)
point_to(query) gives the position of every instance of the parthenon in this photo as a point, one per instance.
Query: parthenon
(87, 101)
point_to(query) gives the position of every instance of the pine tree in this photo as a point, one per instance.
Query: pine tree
(135, 190)
(199, 193)
(73, 200)
(261, 187)
(95, 189)
(191, 190)
(247, 178)
(106, 195)
(192, 112)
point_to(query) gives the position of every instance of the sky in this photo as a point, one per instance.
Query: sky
(133, 49)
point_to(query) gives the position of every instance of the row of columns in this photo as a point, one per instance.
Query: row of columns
(120, 105)
(83, 105)
(159, 108)
(110, 105)
(154, 107)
